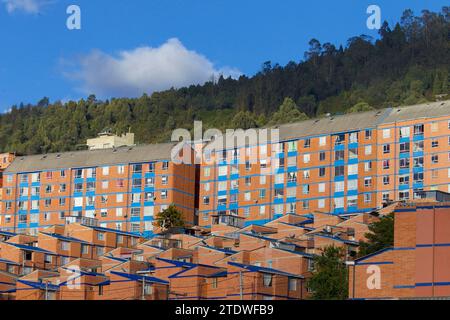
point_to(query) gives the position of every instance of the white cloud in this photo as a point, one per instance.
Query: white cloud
(144, 70)
(27, 6)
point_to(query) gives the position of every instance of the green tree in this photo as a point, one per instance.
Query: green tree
(169, 218)
(360, 107)
(381, 236)
(329, 280)
(287, 113)
(244, 120)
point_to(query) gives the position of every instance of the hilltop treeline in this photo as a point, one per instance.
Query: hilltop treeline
(409, 63)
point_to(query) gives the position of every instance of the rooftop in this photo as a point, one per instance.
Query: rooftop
(92, 158)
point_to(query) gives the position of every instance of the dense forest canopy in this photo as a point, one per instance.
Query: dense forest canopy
(409, 63)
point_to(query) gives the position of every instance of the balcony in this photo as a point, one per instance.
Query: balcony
(228, 220)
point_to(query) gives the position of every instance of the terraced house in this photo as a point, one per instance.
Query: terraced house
(335, 164)
(123, 188)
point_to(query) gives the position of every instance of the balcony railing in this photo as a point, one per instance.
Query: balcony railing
(90, 222)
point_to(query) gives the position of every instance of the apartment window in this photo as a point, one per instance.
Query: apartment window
(84, 249)
(65, 245)
(248, 166)
(418, 129)
(386, 196)
(404, 147)
(292, 146)
(137, 168)
(135, 212)
(321, 203)
(339, 171)
(292, 176)
(164, 180)
(307, 143)
(148, 196)
(322, 141)
(418, 162)
(62, 202)
(48, 188)
(267, 280)
(368, 134)
(305, 204)
(418, 177)
(339, 186)
(435, 158)
(104, 198)
(78, 173)
(279, 193)
(353, 137)
(62, 173)
(246, 212)
(322, 156)
(47, 202)
(352, 185)
(164, 194)
(434, 127)
(339, 155)
(367, 197)
(247, 196)
(434, 174)
(404, 163)
(403, 195)
(434, 143)
(386, 148)
(248, 181)
(403, 180)
(206, 200)
(165, 165)
(279, 178)
(404, 132)
(101, 250)
(352, 201)
(292, 161)
(418, 146)
(367, 166)
(262, 193)
(368, 150)
(100, 236)
(386, 133)
(306, 174)
(120, 183)
(386, 164)
(353, 153)
(386, 180)
(306, 189)
(137, 183)
(340, 139)
(322, 172)
(306, 158)
(368, 182)
(338, 203)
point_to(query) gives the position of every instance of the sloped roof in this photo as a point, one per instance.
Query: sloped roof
(92, 158)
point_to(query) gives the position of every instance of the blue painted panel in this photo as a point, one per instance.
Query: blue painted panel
(292, 154)
(403, 187)
(353, 145)
(418, 138)
(223, 178)
(149, 204)
(150, 175)
(340, 178)
(292, 169)
(279, 186)
(234, 176)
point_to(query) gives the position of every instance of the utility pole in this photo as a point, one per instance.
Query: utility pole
(241, 285)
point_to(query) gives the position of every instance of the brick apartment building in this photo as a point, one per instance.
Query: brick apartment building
(418, 264)
(123, 188)
(336, 164)
(80, 260)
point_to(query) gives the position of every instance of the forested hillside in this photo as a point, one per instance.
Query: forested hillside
(408, 64)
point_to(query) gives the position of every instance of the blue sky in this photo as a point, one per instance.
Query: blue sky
(127, 47)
